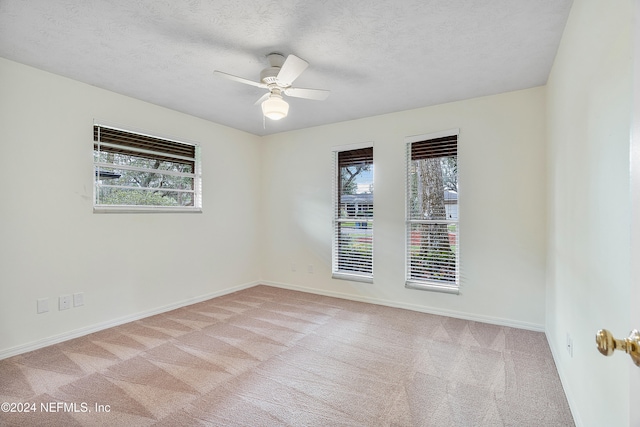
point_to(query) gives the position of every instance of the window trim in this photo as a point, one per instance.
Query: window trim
(197, 175)
(433, 286)
(335, 273)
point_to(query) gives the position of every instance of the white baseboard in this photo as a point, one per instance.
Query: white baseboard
(563, 380)
(414, 307)
(55, 339)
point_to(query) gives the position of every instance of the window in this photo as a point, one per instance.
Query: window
(138, 172)
(432, 212)
(353, 213)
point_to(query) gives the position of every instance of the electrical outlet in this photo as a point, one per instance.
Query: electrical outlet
(569, 344)
(310, 269)
(294, 268)
(43, 305)
(78, 299)
(64, 302)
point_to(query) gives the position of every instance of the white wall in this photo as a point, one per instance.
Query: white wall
(589, 109)
(50, 241)
(502, 207)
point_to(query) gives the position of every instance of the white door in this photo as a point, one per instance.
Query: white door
(634, 306)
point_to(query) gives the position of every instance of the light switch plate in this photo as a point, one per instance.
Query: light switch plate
(78, 299)
(43, 305)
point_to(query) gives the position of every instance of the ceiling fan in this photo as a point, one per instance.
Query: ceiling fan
(277, 78)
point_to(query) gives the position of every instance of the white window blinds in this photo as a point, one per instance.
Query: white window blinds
(135, 171)
(432, 214)
(353, 214)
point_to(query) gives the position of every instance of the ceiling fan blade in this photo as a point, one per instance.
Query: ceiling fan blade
(291, 69)
(239, 79)
(316, 94)
(262, 98)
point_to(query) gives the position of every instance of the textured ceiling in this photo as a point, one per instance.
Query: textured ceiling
(374, 56)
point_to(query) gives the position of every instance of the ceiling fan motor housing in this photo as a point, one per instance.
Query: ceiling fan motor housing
(268, 75)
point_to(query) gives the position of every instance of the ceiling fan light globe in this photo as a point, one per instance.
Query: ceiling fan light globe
(275, 108)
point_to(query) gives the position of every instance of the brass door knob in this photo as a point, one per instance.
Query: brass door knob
(607, 344)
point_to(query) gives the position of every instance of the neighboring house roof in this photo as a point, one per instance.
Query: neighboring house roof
(360, 199)
(450, 197)
(108, 175)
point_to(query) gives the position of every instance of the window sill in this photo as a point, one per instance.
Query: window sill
(352, 277)
(145, 209)
(433, 286)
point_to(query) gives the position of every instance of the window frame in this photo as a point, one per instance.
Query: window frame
(99, 166)
(336, 272)
(410, 282)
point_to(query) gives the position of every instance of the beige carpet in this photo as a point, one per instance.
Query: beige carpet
(272, 357)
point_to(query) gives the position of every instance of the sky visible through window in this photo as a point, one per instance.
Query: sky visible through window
(365, 181)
